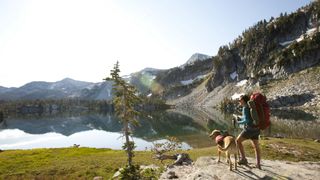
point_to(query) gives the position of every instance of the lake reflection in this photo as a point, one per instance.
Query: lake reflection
(17, 139)
(94, 130)
(103, 130)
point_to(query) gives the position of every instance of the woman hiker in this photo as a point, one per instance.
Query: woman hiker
(248, 132)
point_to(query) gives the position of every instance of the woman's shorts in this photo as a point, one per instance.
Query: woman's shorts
(250, 133)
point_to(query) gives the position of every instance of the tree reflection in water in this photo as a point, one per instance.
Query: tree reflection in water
(190, 126)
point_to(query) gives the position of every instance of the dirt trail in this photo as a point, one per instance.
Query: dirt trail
(207, 168)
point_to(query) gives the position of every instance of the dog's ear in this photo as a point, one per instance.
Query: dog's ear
(210, 135)
(214, 132)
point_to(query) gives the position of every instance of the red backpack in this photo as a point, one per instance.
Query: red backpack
(259, 110)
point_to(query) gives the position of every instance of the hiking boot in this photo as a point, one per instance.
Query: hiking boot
(243, 162)
(258, 166)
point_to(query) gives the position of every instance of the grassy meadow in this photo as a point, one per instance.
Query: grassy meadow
(87, 163)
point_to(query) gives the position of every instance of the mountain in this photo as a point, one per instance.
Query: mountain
(179, 81)
(97, 91)
(279, 57)
(271, 49)
(144, 80)
(68, 85)
(173, 82)
(4, 89)
(196, 57)
(66, 88)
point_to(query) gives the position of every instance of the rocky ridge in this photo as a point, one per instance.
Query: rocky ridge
(300, 89)
(207, 168)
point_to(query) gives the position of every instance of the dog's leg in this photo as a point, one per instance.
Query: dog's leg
(219, 153)
(229, 159)
(235, 161)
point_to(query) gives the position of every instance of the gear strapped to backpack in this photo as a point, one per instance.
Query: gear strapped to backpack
(259, 110)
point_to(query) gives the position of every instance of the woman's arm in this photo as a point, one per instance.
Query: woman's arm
(245, 116)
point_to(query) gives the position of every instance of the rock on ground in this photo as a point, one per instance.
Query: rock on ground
(207, 168)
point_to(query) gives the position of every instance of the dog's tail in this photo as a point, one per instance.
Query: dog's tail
(226, 146)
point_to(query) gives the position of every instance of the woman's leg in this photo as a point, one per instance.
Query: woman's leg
(256, 147)
(239, 140)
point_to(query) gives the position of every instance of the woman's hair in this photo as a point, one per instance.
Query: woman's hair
(245, 98)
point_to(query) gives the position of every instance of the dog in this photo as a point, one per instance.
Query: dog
(225, 144)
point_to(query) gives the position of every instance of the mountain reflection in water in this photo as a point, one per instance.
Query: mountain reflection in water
(104, 130)
(94, 130)
(17, 139)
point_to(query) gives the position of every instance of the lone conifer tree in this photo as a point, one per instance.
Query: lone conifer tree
(125, 100)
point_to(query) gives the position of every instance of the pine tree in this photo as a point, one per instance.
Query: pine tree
(125, 100)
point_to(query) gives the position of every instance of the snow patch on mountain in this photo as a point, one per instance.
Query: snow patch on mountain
(236, 96)
(234, 75)
(242, 83)
(190, 81)
(286, 43)
(309, 32)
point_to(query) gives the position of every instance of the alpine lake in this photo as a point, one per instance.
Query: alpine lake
(189, 126)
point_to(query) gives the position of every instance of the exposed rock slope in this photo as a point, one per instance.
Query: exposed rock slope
(207, 168)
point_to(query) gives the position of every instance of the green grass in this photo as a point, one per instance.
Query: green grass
(291, 149)
(86, 163)
(74, 163)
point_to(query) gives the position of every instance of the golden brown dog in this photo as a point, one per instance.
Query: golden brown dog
(225, 144)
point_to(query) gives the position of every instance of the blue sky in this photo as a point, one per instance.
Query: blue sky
(42, 40)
